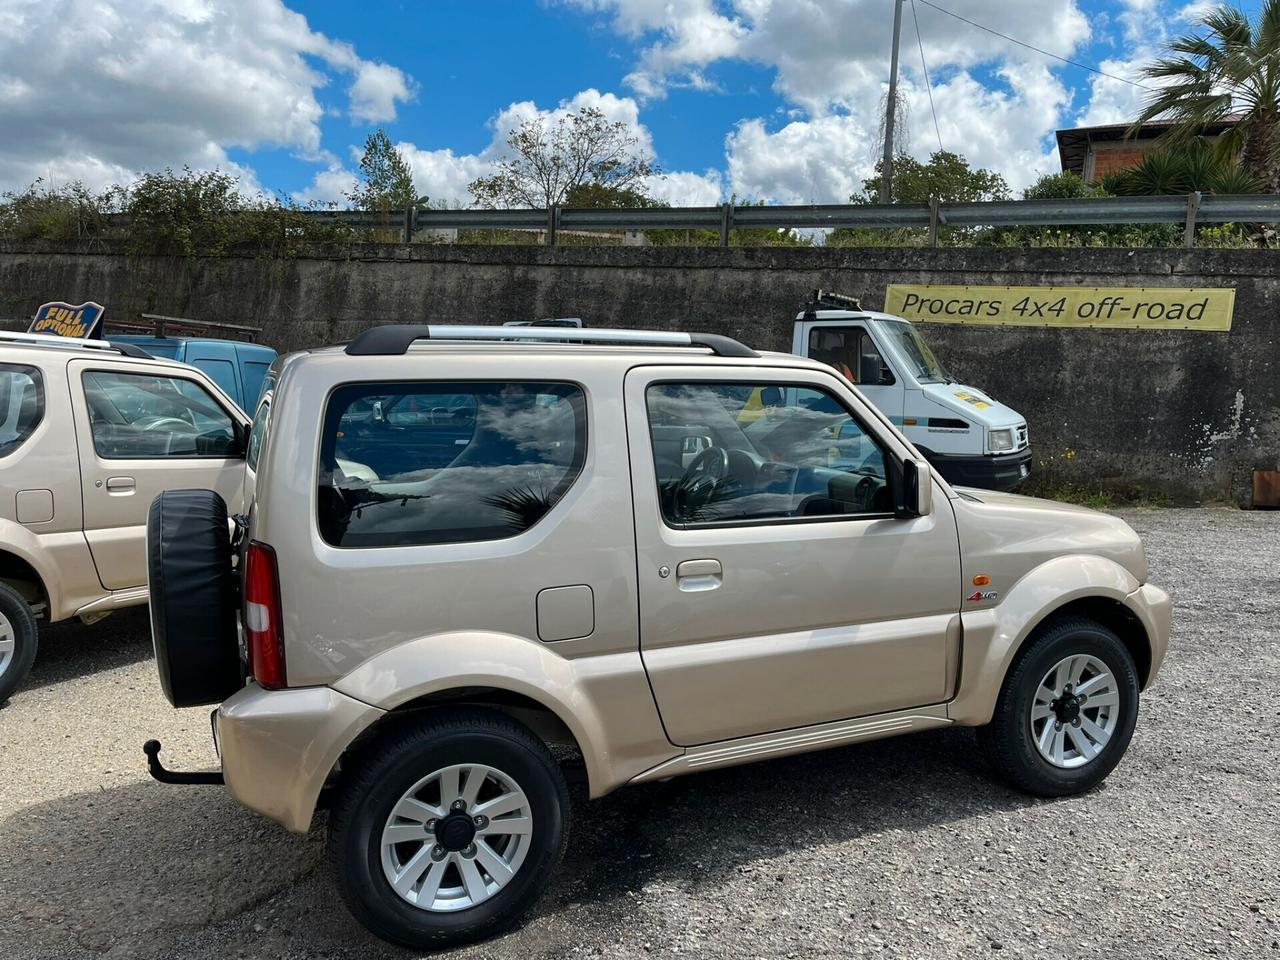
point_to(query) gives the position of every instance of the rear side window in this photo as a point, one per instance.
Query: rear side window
(221, 372)
(21, 405)
(424, 463)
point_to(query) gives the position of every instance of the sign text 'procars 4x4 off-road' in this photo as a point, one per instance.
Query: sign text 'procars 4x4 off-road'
(1154, 308)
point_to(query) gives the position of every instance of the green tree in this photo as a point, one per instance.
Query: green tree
(946, 177)
(599, 196)
(1059, 186)
(386, 182)
(550, 158)
(1231, 71)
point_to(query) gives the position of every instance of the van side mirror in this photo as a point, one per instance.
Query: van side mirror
(917, 489)
(873, 371)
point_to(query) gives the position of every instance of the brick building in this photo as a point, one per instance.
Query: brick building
(1094, 152)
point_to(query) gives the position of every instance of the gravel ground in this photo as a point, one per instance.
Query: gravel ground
(897, 848)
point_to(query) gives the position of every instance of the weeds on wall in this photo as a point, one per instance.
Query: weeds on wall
(187, 214)
(199, 214)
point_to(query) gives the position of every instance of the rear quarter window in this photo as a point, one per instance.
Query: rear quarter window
(21, 405)
(427, 463)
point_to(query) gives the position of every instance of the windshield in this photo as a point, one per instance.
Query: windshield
(912, 347)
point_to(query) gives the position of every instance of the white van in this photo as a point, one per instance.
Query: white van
(971, 439)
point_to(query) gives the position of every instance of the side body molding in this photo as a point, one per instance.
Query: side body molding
(604, 700)
(993, 636)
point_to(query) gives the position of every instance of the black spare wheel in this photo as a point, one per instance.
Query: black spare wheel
(193, 597)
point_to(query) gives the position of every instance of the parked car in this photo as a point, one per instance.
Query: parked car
(90, 432)
(601, 546)
(237, 367)
(968, 437)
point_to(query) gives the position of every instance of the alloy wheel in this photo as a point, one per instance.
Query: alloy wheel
(1075, 711)
(456, 837)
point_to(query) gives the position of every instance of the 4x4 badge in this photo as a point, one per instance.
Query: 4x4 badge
(982, 595)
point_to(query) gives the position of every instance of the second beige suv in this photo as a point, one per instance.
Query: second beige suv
(90, 433)
(666, 553)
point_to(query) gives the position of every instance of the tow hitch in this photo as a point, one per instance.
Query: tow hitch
(152, 749)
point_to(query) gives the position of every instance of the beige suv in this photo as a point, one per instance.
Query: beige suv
(468, 558)
(90, 433)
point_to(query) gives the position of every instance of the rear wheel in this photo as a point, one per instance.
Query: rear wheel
(449, 829)
(1066, 711)
(18, 640)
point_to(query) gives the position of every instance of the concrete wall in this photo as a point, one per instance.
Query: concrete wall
(1190, 414)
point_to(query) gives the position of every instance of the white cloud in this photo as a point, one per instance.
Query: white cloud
(687, 189)
(443, 175)
(376, 91)
(100, 90)
(1113, 101)
(329, 188)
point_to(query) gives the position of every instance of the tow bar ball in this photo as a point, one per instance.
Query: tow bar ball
(157, 770)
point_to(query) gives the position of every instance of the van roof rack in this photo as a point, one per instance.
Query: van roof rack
(160, 326)
(829, 300)
(395, 339)
(50, 340)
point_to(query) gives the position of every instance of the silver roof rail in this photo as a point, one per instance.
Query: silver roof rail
(395, 339)
(78, 343)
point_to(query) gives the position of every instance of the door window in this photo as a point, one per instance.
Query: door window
(729, 453)
(851, 351)
(140, 417)
(421, 463)
(21, 405)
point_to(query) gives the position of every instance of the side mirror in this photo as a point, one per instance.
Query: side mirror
(917, 489)
(869, 372)
(240, 439)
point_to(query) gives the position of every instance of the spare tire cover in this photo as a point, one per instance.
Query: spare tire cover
(193, 597)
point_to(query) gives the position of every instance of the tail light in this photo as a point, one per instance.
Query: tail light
(262, 616)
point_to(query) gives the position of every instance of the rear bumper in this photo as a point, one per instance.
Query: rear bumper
(278, 746)
(996, 472)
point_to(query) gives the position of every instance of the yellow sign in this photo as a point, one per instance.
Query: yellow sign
(1149, 308)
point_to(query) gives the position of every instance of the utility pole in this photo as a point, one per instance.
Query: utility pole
(891, 109)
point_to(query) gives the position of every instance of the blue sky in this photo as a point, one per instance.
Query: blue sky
(768, 99)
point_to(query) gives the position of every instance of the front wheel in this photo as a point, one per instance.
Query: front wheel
(17, 640)
(1066, 711)
(447, 830)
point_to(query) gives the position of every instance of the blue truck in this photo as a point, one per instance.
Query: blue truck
(237, 366)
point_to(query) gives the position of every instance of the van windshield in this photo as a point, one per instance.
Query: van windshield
(912, 347)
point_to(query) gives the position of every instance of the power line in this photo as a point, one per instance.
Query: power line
(925, 67)
(1054, 56)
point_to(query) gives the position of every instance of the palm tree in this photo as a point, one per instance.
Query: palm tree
(1231, 72)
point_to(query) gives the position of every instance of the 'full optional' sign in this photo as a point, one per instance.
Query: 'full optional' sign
(65, 320)
(1154, 308)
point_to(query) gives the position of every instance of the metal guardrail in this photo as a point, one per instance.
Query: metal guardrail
(1103, 211)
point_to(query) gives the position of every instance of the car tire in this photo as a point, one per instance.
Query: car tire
(1053, 738)
(193, 597)
(18, 640)
(412, 763)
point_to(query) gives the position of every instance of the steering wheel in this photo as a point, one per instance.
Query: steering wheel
(700, 479)
(865, 491)
(169, 423)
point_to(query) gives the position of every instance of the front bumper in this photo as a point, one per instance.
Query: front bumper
(996, 472)
(1152, 606)
(279, 746)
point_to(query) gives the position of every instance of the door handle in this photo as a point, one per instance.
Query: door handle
(120, 486)
(694, 576)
